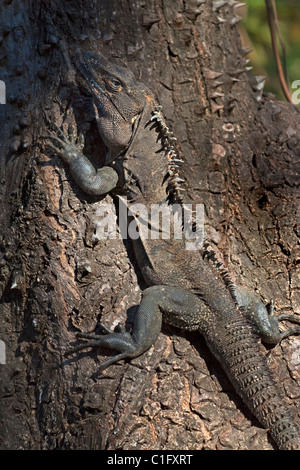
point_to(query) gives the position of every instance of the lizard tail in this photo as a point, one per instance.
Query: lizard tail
(246, 367)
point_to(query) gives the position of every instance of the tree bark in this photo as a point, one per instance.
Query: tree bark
(241, 154)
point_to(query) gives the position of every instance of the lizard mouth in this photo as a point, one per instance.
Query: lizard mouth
(96, 87)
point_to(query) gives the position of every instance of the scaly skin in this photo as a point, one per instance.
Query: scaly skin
(186, 288)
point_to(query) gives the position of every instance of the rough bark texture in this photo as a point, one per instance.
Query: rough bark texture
(241, 160)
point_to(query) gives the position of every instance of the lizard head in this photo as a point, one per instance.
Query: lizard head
(119, 99)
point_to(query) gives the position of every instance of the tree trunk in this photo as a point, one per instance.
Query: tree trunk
(241, 155)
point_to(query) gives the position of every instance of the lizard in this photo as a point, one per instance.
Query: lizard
(188, 289)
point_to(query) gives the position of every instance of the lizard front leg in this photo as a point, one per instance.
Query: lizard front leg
(91, 181)
(176, 306)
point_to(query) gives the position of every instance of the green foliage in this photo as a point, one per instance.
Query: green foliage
(255, 31)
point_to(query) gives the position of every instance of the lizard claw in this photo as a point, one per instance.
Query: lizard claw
(65, 145)
(290, 331)
(94, 339)
(119, 340)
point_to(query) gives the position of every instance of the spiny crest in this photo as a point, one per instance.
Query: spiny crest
(167, 138)
(209, 253)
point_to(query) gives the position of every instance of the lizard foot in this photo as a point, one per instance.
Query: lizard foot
(264, 319)
(92, 181)
(291, 331)
(272, 333)
(119, 340)
(68, 145)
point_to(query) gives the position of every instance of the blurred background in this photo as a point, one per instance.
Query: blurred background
(256, 34)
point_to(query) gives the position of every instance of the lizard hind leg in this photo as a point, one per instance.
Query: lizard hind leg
(266, 323)
(146, 328)
(179, 307)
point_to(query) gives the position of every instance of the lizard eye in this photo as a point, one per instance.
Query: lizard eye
(115, 84)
